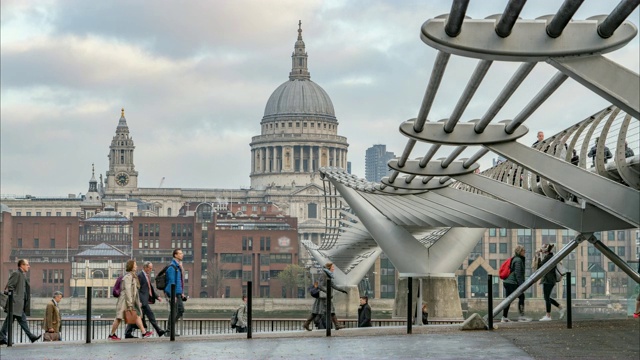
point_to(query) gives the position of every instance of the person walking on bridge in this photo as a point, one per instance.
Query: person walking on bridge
(511, 283)
(548, 281)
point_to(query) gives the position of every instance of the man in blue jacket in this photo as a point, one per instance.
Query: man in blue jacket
(175, 276)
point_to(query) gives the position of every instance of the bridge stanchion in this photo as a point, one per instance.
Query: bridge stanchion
(172, 313)
(567, 278)
(87, 335)
(327, 315)
(409, 304)
(249, 317)
(10, 319)
(490, 301)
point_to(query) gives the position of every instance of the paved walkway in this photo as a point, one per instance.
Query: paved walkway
(604, 339)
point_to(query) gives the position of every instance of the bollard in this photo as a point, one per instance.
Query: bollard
(249, 317)
(89, 292)
(327, 315)
(567, 278)
(172, 313)
(490, 301)
(10, 319)
(409, 304)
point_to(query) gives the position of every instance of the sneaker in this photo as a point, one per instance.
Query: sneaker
(524, 319)
(113, 337)
(505, 320)
(546, 318)
(147, 334)
(636, 315)
(562, 311)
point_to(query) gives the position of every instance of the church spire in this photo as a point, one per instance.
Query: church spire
(299, 69)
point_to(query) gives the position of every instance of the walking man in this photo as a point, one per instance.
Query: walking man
(19, 284)
(52, 321)
(241, 326)
(148, 296)
(175, 276)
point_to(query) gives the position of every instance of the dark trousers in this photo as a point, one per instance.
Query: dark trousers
(241, 329)
(547, 289)
(179, 310)
(22, 320)
(509, 289)
(146, 313)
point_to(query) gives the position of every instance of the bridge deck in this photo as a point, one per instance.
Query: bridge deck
(593, 339)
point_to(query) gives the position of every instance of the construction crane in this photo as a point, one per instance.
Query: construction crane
(161, 182)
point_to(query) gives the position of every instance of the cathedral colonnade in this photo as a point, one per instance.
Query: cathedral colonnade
(296, 158)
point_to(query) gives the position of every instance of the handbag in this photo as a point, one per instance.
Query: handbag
(51, 336)
(130, 317)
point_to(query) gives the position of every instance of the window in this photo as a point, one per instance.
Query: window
(262, 243)
(254, 208)
(492, 248)
(232, 274)
(246, 276)
(280, 258)
(312, 210)
(68, 213)
(168, 211)
(268, 243)
(621, 235)
(492, 232)
(52, 243)
(19, 242)
(503, 248)
(58, 213)
(493, 264)
(264, 276)
(611, 235)
(244, 243)
(231, 258)
(18, 213)
(246, 259)
(503, 232)
(28, 213)
(48, 213)
(612, 266)
(250, 243)
(621, 251)
(36, 243)
(274, 273)
(264, 260)
(38, 213)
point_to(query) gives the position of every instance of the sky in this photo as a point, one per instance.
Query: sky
(194, 78)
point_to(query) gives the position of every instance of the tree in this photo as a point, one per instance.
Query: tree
(292, 277)
(215, 278)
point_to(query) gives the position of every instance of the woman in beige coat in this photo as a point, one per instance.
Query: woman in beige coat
(128, 300)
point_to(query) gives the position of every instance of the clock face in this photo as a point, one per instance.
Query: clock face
(122, 179)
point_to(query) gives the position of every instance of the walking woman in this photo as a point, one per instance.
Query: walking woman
(320, 304)
(128, 300)
(548, 282)
(511, 283)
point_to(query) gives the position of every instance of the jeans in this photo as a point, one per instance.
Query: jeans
(547, 289)
(148, 313)
(22, 320)
(179, 309)
(509, 289)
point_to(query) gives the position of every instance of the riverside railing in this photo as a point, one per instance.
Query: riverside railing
(75, 329)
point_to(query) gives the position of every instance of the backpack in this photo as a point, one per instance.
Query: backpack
(314, 292)
(161, 278)
(234, 318)
(117, 287)
(559, 272)
(505, 269)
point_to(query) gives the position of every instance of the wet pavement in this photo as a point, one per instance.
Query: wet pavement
(592, 339)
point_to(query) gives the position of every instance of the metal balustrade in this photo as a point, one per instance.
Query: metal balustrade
(74, 329)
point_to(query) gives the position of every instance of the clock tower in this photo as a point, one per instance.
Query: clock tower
(122, 177)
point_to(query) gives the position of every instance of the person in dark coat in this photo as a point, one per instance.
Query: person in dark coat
(19, 284)
(425, 315)
(593, 151)
(364, 312)
(548, 281)
(511, 283)
(148, 295)
(319, 308)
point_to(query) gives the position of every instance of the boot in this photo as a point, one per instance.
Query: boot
(334, 319)
(307, 323)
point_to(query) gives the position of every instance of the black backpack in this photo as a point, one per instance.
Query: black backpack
(161, 278)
